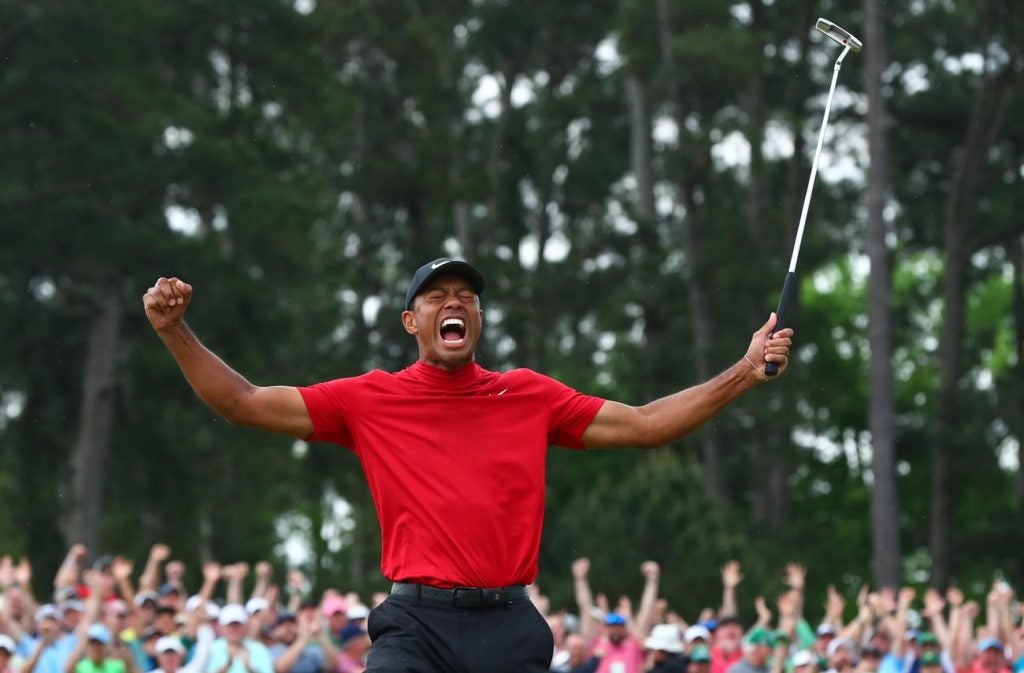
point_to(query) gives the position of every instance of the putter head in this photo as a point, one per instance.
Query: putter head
(839, 35)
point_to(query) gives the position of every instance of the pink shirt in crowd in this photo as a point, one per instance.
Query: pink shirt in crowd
(627, 657)
(721, 662)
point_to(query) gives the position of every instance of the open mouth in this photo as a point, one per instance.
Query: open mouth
(453, 331)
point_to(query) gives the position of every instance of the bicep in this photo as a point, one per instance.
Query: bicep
(277, 409)
(616, 426)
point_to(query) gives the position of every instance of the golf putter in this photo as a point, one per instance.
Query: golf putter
(850, 43)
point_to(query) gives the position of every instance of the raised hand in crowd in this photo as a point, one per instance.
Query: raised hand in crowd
(732, 575)
(150, 578)
(70, 569)
(764, 614)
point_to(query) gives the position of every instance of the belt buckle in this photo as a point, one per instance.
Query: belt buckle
(467, 597)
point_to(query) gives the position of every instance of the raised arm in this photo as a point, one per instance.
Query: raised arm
(645, 614)
(669, 418)
(274, 408)
(731, 576)
(67, 573)
(934, 604)
(584, 597)
(150, 578)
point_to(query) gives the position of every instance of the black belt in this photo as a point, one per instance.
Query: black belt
(460, 597)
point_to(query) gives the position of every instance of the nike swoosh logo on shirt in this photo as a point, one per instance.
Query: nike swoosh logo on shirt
(503, 391)
(434, 266)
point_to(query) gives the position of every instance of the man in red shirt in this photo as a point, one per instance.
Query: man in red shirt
(454, 456)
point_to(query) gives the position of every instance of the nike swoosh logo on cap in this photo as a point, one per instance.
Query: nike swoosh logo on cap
(434, 266)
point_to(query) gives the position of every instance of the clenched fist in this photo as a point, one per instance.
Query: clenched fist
(165, 303)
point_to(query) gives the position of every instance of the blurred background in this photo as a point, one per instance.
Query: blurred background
(627, 174)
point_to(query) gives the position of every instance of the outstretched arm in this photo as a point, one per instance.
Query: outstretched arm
(274, 408)
(669, 418)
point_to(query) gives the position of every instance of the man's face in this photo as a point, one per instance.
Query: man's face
(881, 642)
(164, 622)
(759, 655)
(446, 320)
(617, 633)
(991, 659)
(577, 647)
(234, 633)
(70, 620)
(96, 650)
(48, 628)
(169, 660)
(822, 641)
(286, 631)
(841, 659)
(727, 637)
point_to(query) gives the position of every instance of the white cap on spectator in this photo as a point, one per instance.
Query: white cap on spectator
(254, 605)
(233, 613)
(696, 632)
(169, 644)
(841, 643)
(76, 605)
(143, 596)
(116, 606)
(802, 658)
(47, 611)
(6, 643)
(826, 629)
(357, 611)
(210, 608)
(664, 638)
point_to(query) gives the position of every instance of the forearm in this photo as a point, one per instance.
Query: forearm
(645, 613)
(669, 418)
(329, 650)
(150, 578)
(288, 658)
(585, 605)
(729, 607)
(940, 629)
(218, 385)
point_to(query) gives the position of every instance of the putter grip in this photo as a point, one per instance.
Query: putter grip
(782, 312)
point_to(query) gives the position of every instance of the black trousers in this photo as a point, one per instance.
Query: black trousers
(413, 637)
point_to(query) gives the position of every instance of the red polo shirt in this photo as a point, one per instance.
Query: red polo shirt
(455, 463)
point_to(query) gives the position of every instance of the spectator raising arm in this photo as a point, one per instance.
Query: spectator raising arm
(69, 570)
(764, 614)
(731, 576)
(864, 620)
(150, 579)
(834, 606)
(934, 605)
(645, 616)
(796, 579)
(92, 611)
(235, 575)
(584, 597)
(264, 571)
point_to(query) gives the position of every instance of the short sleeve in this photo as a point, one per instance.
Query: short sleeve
(329, 405)
(571, 414)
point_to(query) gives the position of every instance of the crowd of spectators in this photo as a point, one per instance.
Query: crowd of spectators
(101, 621)
(892, 631)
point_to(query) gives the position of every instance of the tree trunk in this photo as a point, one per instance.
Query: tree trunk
(640, 149)
(1015, 249)
(987, 115)
(697, 291)
(96, 415)
(885, 531)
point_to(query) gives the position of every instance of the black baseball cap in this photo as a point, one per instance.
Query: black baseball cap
(441, 265)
